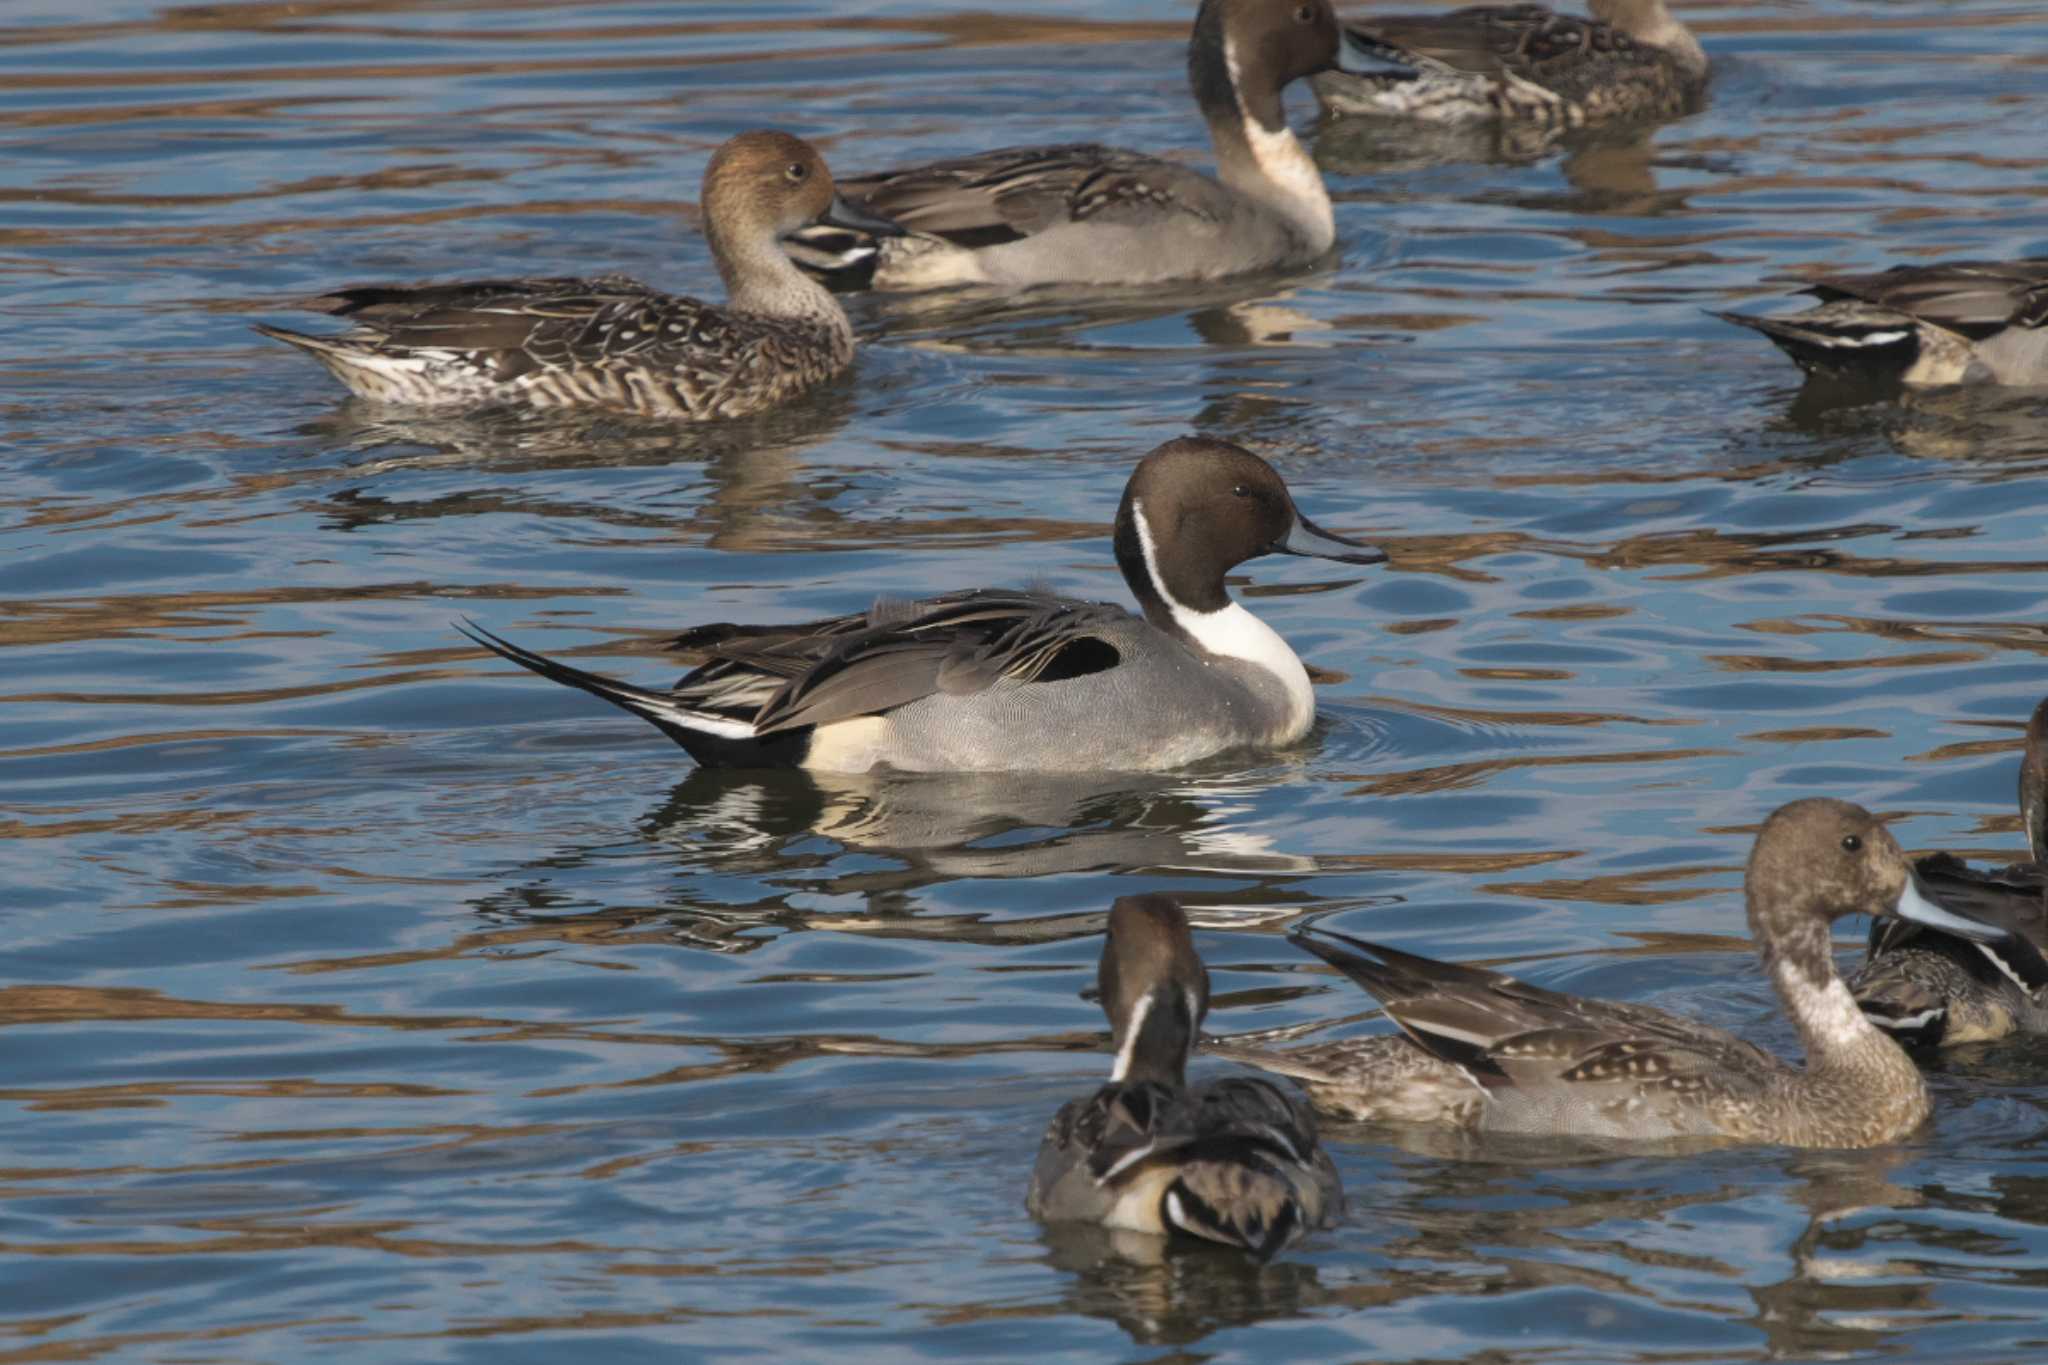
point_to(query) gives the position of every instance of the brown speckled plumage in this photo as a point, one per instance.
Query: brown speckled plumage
(1524, 64)
(610, 342)
(1487, 1052)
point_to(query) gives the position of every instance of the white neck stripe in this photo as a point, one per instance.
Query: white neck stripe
(1127, 1053)
(1232, 632)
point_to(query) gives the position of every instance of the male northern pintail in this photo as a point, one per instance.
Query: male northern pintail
(1486, 1052)
(1233, 1161)
(1523, 64)
(1960, 322)
(993, 680)
(611, 342)
(1087, 214)
(1930, 988)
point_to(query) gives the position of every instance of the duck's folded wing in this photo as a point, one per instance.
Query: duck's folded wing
(1483, 40)
(1005, 196)
(849, 667)
(1974, 298)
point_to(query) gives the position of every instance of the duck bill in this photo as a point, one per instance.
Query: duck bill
(841, 214)
(1360, 57)
(1914, 907)
(1307, 538)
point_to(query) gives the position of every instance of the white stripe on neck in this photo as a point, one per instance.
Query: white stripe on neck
(1132, 1028)
(1829, 1014)
(1234, 633)
(1287, 166)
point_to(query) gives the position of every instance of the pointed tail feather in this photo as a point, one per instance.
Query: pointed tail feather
(685, 726)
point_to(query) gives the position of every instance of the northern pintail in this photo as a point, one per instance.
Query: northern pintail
(991, 680)
(1233, 1161)
(1523, 64)
(1932, 989)
(611, 342)
(1088, 214)
(1959, 322)
(1483, 1051)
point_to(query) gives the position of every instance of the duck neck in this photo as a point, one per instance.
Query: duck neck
(1154, 1042)
(1839, 1038)
(1187, 600)
(1257, 154)
(761, 279)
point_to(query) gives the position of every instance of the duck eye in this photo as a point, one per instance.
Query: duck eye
(1305, 15)
(796, 171)
(1241, 491)
(1852, 844)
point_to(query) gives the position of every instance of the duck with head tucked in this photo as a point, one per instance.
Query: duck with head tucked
(610, 343)
(1485, 1052)
(1957, 322)
(1233, 1161)
(1089, 214)
(1522, 65)
(993, 680)
(1933, 989)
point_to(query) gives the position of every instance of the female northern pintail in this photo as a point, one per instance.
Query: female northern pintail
(1087, 214)
(1484, 1051)
(1930, 988)
(1960, 322)
(990, 680)
(1523, 64)
(611, 342)
(1234, 1161)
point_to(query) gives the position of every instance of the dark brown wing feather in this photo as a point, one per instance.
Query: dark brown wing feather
(1493, 40)
(1975, 298)
(1005, 196)
(841, 668)
(1495, 1026)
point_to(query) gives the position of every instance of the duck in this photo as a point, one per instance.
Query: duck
(1932, 989)
(1087, 214)
(1235, 1160)
(1483, 1052)
(609, 342)
(995, 680)
(1952, 322)
(1522, 65)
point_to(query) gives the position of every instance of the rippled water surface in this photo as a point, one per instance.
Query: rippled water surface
(366, 998)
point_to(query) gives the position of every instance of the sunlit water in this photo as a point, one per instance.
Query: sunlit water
(366, 998)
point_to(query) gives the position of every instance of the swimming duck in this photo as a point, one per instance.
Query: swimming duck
(1233, 1161)
(996, 680)
(1482, 1051)
(1958, 322)
(1088, 214)
(1523, 64)
(1932, 989)
(611, 342)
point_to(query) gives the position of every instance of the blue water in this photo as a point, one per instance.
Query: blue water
(364, 998)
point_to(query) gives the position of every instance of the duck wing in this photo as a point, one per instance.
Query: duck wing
(1234, 1162)
(842, 668)
(1974, 298)
(1490, 40)
(1008, 195)
(1505, 1034)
